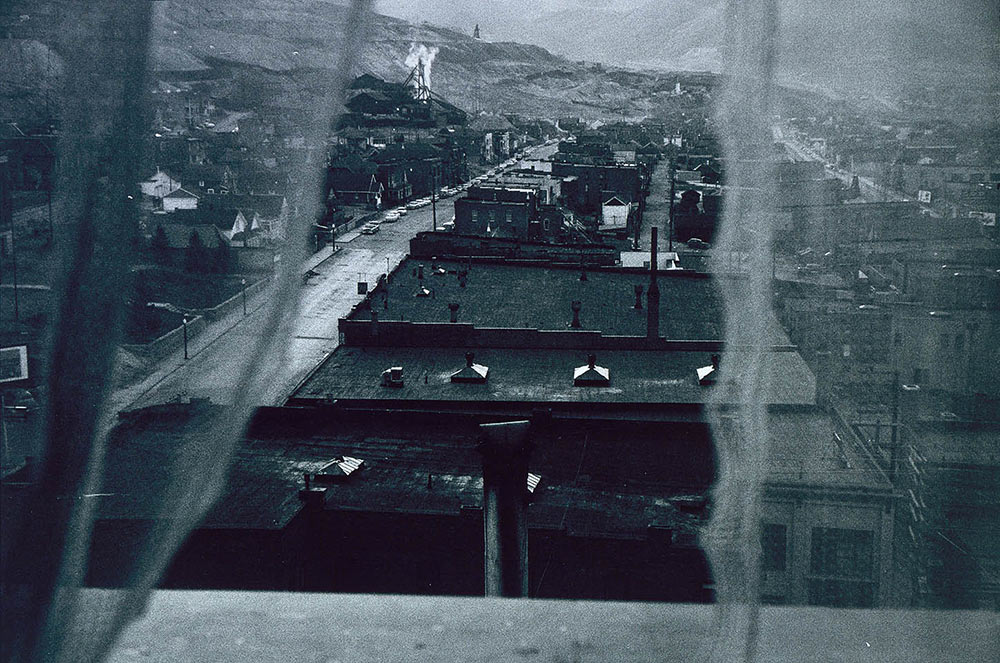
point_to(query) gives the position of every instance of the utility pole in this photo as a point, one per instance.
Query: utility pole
(13, 264)
(894, 433)
(670, 231)
(434, 221)
(48, 192)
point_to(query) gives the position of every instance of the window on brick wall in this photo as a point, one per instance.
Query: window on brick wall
(841, 568)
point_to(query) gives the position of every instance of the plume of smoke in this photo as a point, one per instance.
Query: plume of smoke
(420, 53)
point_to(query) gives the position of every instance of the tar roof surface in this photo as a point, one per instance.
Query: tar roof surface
(518, 296)
(619, 493)
(804, 451)
(540, 376)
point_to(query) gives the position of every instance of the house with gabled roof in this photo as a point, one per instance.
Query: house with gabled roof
(180, 198)
(160, 183)
(353, 181)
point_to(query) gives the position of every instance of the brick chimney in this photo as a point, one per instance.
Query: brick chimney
(653, 292)
(638, 288)
(453, 307)
(575, 306)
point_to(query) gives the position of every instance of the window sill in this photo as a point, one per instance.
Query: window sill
(242, 626)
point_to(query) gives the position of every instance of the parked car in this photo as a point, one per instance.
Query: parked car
(391, 217)
(695, 243)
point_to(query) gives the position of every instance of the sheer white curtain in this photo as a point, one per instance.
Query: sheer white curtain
(104, 115)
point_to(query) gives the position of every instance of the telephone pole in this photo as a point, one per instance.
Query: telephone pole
(434, 218)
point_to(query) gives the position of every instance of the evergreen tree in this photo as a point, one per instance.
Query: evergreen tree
(220, 258)
(160, 247)
(196, 258)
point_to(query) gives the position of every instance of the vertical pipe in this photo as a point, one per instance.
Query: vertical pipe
(505, 448)
(653, 292)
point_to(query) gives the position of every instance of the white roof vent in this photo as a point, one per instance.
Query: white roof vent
(340, 467)
(392, 377)
(471, 372)
(533, 481)
(591, 375)
(707, 375)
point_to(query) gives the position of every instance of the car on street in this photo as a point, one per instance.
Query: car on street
(391, 217)
(696, 243)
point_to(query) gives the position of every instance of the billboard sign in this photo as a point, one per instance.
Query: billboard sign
(14, 363)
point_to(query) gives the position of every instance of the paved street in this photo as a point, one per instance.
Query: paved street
(216, 354)
(870, 189)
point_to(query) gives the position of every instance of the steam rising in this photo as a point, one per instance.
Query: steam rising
(420, 53)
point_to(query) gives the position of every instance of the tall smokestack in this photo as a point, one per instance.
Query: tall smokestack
(653, 292)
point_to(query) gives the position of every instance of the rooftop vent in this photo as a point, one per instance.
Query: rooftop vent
(471, 372)
(707, 375)
(591, 375)
(340, 467)
(392, 377)
(533, 481)
(423, 292)
(575, 306)
(638, 288)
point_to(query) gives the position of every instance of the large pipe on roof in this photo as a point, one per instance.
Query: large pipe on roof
(505, 448)
(653, 292)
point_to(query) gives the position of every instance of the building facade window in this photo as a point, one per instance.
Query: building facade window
(774, 542)
(841, 568)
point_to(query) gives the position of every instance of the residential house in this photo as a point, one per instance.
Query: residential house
(408, 169)
(181, 199)
(267, 216)
(159, 184)
(615, 214)
(595, 184)
(354, 181)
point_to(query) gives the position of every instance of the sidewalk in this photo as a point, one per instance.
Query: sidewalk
(130, 395)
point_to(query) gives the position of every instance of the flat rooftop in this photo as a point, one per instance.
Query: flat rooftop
(540, 376)
(539, 297)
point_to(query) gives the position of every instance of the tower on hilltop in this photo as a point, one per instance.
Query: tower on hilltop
(475, 33)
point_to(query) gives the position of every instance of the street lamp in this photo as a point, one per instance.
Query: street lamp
(185, 324)
(243, 282)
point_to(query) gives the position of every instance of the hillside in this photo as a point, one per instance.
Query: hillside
(858, 46)
(294, 36)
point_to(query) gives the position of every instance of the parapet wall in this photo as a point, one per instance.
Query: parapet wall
(394, 333)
